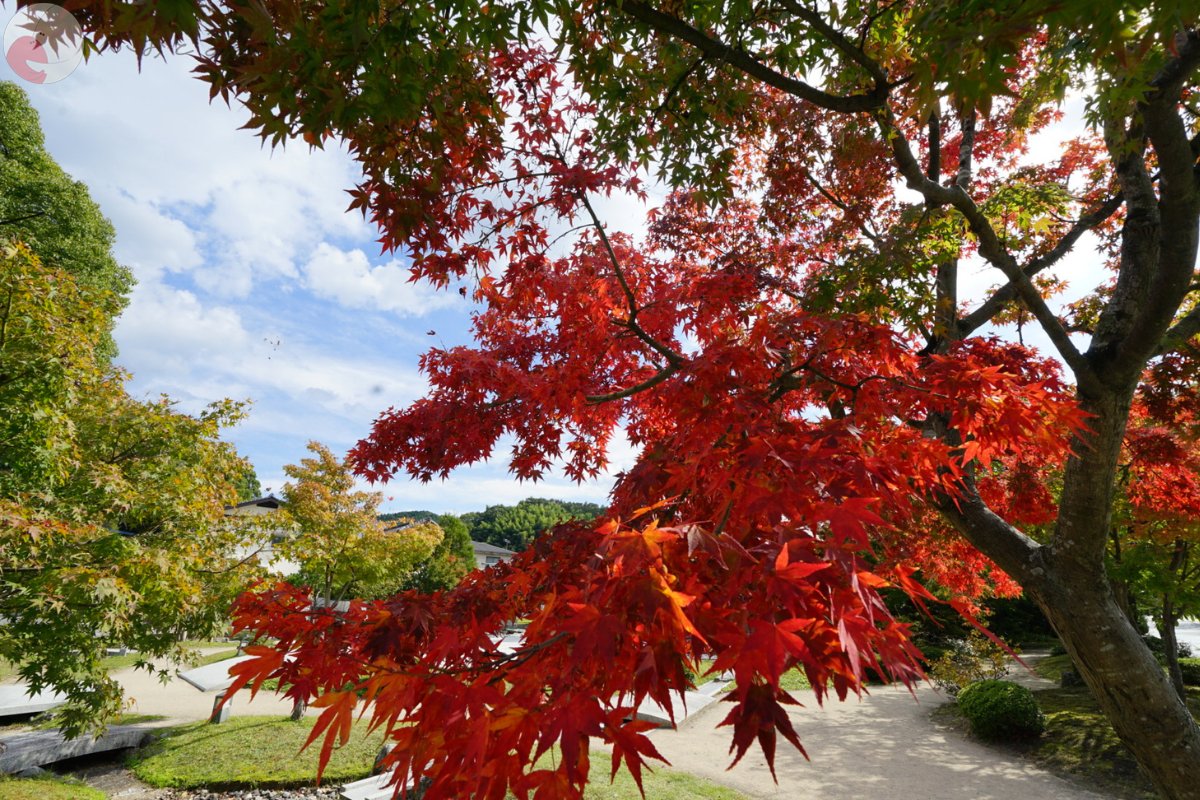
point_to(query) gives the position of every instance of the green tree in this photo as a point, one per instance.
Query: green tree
(248, 486)
(342, 547)
(450, 561)
(42, 206)
(111, 509)
(516, 526)
(419, 516)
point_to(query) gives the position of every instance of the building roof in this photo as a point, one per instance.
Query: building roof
(266, 501)
(483, 548)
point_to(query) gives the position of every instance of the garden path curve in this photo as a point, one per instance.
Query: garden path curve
(884, 746)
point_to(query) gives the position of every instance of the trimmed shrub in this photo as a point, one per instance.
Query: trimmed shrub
(1001, 710)
(1190, 668)
(1183, 650)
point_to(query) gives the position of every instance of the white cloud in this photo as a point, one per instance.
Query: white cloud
(348, 278)
(221, 232)
(149, 241)
(169, 329)
(157, 150)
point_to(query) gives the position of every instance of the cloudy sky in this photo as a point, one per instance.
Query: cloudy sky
(253, 282)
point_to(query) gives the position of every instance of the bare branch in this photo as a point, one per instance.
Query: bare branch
(1007, 293)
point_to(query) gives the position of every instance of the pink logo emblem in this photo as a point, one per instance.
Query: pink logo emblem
(43, 43)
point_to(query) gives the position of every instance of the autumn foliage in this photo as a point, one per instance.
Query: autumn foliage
(779, 490)
(820, 412)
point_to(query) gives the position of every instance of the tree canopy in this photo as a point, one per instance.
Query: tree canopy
(514, 527)
(344, 550)
(111, 508)
(53, 214)
(820, 411)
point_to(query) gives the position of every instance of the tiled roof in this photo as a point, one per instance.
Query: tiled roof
(490, 549)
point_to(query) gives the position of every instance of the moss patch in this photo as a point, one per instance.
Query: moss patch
(251, 752)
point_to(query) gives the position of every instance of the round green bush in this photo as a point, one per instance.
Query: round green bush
(1001, 710)
(1190, 667)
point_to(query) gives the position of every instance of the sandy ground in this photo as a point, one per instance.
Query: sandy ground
(179, 700)
(883, 746)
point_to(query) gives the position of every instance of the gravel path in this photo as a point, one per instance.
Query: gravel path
(883, 746)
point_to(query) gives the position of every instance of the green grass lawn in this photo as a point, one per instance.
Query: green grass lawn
(250, 752)
(213, 658)
(262, 752)
(662, 784)
(794, 680)
(46, 789)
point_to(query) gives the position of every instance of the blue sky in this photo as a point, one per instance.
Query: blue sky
(253, 282)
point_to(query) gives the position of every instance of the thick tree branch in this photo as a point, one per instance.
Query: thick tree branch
(1183, 332)
(1160, 237)
(1007, 293)
(966, 150)
(838, 40)
(649, 383)
(743, 61)
(1016, 553)
(934, 169)
(990, 246)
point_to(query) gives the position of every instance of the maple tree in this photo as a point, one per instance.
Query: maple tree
(111, 529)
(1154, 534)
(787, 344)
(340, 544)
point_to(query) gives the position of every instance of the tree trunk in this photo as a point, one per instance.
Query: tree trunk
(1066, 577)
(1166, 631)
(1128, 683)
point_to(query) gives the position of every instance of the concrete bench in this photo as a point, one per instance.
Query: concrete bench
(693, 703)
(376, 787)
(37, 748)
(15, 700)
(212, 677)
